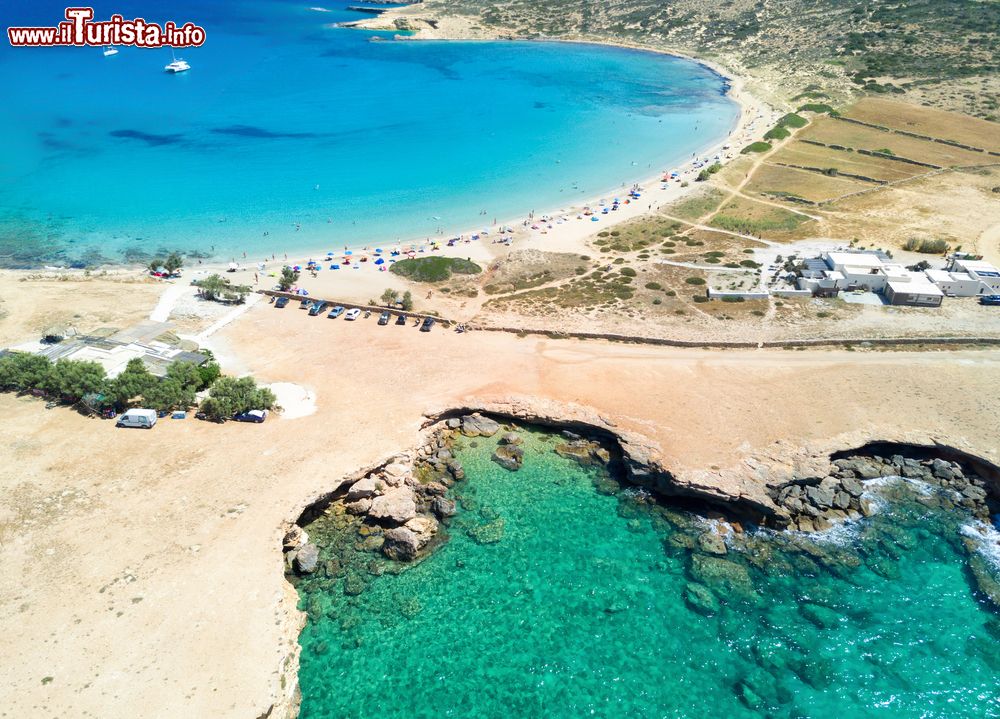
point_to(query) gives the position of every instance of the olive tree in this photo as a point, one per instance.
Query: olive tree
(231, 395)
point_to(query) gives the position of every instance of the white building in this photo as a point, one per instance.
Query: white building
(983, 272)
(866, 271)
(955, 284)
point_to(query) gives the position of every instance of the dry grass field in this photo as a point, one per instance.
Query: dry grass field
(858, 137)
(927, 121)
(849, 163)
(777, 182)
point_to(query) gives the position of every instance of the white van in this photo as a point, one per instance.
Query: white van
(144, 418)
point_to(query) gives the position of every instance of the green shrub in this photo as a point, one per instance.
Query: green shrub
(792, 120)
(756, 147)
(628, 271)
(699, 298)
(653, 286)
(670, 293)
(818, 108)
(777, 133)
(695, 280)
(749, 263)
(231, 395)
(657, 301)
(729, 298)
(926, 246)
(434, 269)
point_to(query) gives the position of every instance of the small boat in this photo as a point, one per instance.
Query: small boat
(109, 51)
(176, 66)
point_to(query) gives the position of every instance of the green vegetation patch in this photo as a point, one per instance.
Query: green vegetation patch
(434, 269)
(756, 147)
(926, 246)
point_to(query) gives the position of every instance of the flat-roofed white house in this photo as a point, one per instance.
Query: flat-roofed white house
(984, 272)
(955, 284)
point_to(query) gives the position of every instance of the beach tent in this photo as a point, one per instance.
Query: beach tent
(334, 267)
(379, 261)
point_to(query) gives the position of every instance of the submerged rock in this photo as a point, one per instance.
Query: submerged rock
(822, 617)
(396, 506)
(476, 425)
(985, 581)
(443, 507)
(489, 533)
(711, 543)
(511, 438)
(584, 451)
(725, 577)
(509, 456)
(700, 598)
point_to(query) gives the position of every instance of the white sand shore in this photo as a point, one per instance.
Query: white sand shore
(564, 229)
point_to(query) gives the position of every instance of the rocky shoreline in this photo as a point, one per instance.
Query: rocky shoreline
(817, 504)
(401, 507)
(389, 516)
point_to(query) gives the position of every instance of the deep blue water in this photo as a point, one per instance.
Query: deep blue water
(283, 121)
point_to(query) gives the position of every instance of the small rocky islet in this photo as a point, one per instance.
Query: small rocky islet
(753, 587)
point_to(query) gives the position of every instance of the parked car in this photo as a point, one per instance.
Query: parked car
(253, 415)
(401, 320)
(427, 324)
(316, 308)
(305, 304)
(990, 300)
(282, 302)
(383, 319)
(352, 314)
(142, 418)
(336, 312)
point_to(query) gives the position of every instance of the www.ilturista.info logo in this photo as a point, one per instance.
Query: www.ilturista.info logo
(80, 29)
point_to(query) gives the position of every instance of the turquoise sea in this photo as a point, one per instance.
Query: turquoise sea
(287, 134)
(584, 607)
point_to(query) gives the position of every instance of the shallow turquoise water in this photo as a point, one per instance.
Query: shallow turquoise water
(579, 610)
(317, 136)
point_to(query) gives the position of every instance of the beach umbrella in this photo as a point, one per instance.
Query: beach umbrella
(329, 254)
(595, 219)
(334, 267)
(348, 252)
(378, 250)
(379, 261)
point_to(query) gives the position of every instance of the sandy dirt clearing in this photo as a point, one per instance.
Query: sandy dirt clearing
(143, 570)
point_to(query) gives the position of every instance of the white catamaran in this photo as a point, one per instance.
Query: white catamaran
(177, 65)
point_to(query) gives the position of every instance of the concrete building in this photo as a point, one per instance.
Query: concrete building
(913, 292)
(955, 284)
(983, 272)
(114, 352)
